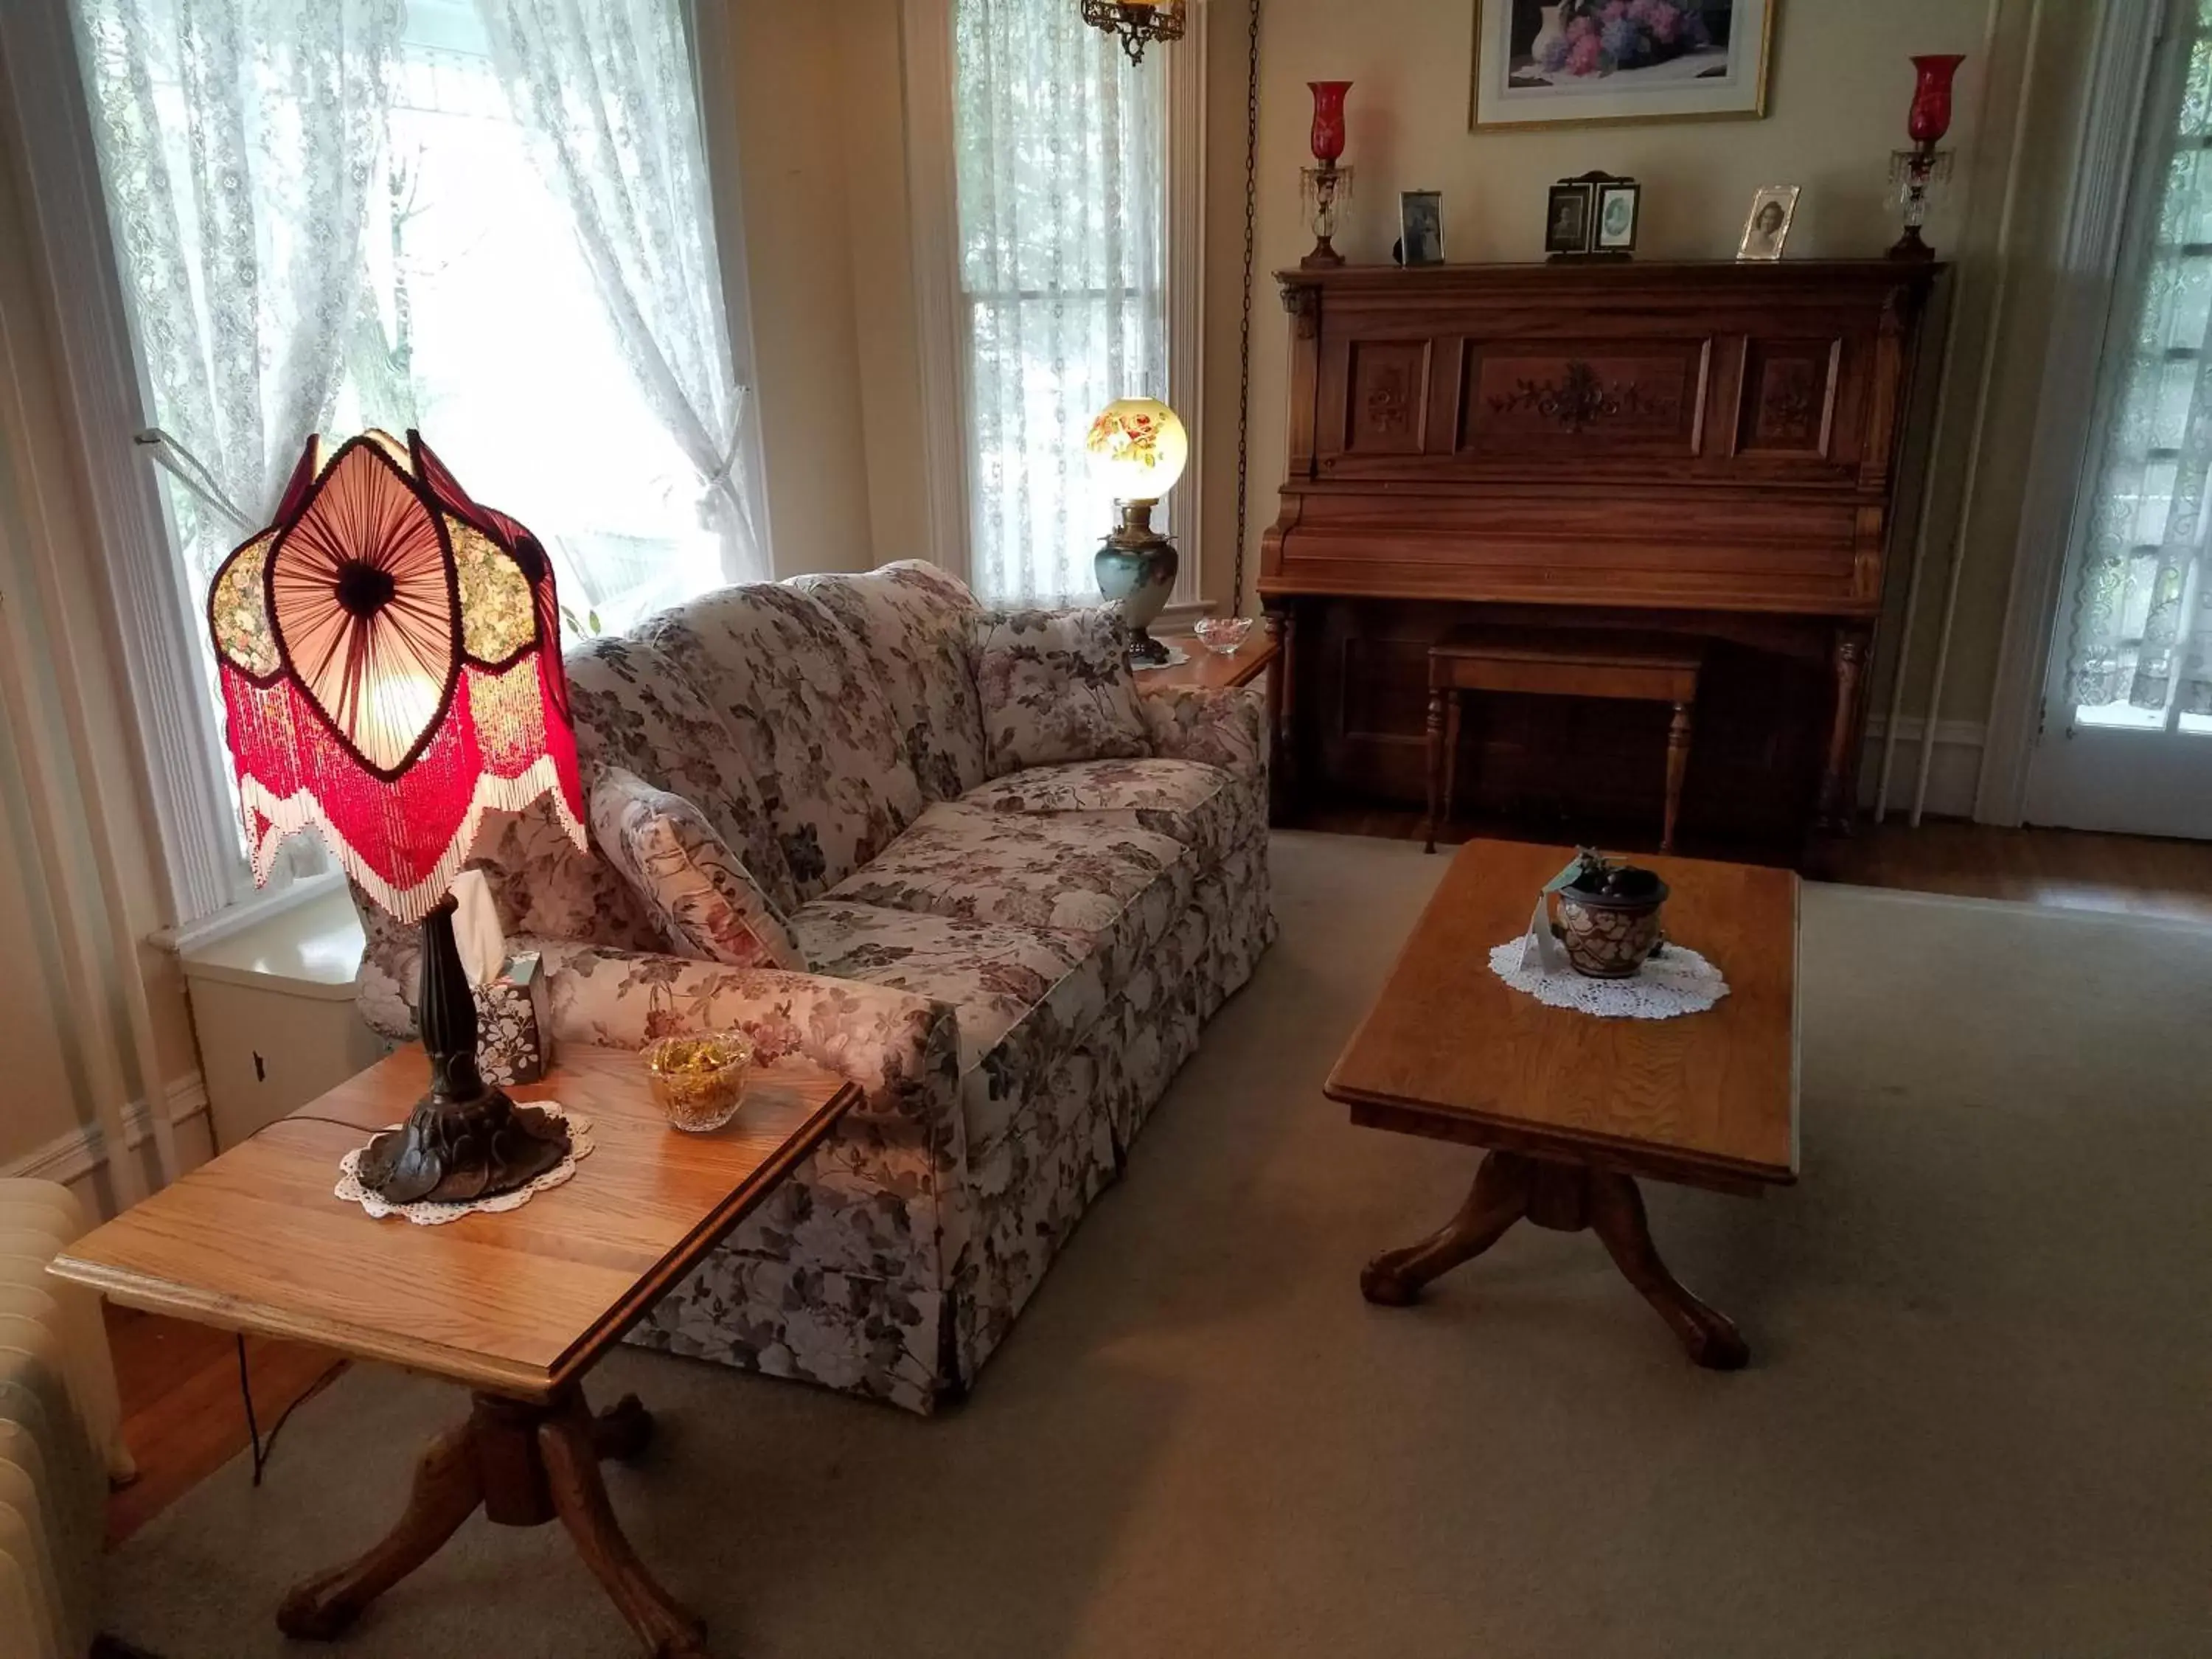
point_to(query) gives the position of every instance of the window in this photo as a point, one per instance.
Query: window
(2139, 642)
(1062, 180)
(487, 219)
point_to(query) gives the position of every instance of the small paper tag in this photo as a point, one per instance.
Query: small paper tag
(1539, 952)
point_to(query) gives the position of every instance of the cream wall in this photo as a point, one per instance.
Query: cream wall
(1836, 107)
(821, 136)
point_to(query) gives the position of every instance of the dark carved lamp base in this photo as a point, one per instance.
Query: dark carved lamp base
(465, 1140)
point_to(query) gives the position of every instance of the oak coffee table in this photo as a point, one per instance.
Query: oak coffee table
(1574, 1109)
(515, 1306)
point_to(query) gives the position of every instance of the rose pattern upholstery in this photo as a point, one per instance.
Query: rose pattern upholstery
(914, 618)
(801, 701)
(1199, 806)
(1012, 989)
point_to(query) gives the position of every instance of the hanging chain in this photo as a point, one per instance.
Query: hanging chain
(1244, 337)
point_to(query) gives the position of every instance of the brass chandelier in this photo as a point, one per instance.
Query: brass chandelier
(1138, 22)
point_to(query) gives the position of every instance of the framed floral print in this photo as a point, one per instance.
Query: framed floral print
(1556, 63)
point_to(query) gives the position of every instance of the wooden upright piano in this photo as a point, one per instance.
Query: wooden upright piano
(1707, 448)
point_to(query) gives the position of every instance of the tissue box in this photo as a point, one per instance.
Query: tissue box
(515, 1023)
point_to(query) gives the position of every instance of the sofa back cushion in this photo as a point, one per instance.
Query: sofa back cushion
(912, 619)
(807, 715)
(634, 710)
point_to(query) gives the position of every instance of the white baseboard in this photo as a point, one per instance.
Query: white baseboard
(1954, 771)
(70, 1158)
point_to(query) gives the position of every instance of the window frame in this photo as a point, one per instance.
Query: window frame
(942, 305)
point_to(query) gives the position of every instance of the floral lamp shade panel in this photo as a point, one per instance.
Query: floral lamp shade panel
(390, 655)
(1137, 448)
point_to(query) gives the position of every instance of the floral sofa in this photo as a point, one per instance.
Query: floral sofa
(1013, 967)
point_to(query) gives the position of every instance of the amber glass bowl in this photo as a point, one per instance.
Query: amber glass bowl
(699, 1081)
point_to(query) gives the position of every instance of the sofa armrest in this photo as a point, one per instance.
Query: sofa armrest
(1222, 725)
(903, 1050)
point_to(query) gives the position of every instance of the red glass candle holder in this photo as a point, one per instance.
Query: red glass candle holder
(1328, 119)
(1931, 117)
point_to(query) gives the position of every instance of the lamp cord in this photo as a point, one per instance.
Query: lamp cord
(264, 1450)
(1244, 334)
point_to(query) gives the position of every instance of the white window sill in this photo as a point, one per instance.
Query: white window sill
(248, 913)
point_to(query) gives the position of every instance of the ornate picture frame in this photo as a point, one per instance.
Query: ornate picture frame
(1767, 228)
(1568, 63)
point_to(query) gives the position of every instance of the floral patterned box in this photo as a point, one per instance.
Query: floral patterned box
(515, 1023)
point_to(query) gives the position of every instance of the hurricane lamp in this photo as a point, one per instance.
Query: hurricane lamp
(1138, 449)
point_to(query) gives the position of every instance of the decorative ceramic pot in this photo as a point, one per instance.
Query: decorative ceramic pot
(1609, 931)
(1139, 580)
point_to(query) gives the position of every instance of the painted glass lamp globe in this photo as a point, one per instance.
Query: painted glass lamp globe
(1138, 449)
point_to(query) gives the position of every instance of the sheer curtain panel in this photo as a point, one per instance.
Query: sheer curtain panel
(607, 94)
(236, 141)
(1060, 173)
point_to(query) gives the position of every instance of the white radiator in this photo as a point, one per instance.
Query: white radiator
(60, 1432)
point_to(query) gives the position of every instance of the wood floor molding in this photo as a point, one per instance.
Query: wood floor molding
(77, 1154)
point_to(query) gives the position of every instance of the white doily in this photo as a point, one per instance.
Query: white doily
(427, 1214)
(1675, 982)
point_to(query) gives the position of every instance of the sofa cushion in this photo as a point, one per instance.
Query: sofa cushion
(711, 908)
(1201, 806)
(809, 720)
(913, 620)
(633, 710)
(1120, 884)
(1023, 997)
(1056, 686)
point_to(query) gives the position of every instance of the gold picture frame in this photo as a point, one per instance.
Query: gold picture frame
(1665, 91)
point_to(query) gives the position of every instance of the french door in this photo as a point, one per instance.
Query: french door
(2126, 739)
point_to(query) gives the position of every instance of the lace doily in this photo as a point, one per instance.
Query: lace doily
(426, 1214)
(1675, 982)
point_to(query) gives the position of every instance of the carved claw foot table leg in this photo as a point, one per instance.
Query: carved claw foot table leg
(524, 1464)
(1565, 1198)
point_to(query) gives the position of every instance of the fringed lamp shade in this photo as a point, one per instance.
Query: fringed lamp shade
(390, 655)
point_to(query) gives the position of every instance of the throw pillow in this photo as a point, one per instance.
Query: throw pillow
(1056, 686)
(703, 894)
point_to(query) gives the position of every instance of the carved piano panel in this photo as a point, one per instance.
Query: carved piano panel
(1713, 444)
(1599, 400)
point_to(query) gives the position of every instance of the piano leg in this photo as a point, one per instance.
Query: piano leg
(1282, 622)
(1839, 771)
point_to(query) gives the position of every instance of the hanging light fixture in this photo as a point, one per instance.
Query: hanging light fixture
(1138, 22)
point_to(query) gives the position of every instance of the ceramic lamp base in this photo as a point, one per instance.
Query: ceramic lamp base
(1136, 569)
(465, 1140)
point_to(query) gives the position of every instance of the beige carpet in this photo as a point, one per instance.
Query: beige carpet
(1978, 1419)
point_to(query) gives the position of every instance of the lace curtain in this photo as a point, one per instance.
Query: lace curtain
(235, 138)
(607, 93)
(1061, 177)
(2142, 646)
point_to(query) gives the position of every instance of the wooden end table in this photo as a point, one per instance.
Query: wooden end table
(1574, 1109)
(1559, 662)
(515, 1307)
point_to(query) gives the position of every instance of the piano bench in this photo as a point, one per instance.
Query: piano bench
(1565, 662)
